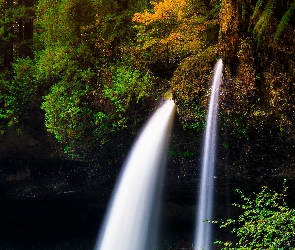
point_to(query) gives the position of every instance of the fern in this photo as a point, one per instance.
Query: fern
(284, 21)
(257, 7)
(264, 19)
(216, 9)
(255, 14)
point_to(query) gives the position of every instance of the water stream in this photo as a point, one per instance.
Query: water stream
(132, 216)
(203, 233)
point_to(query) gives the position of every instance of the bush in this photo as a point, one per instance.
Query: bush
(266, 222)
(18, 93)
(85, 112)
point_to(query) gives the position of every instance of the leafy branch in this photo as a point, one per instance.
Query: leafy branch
(266, 222)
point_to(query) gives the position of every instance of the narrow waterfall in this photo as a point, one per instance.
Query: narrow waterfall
(203, 233)
(132, 216)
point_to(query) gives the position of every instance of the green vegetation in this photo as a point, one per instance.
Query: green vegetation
(265, 223)
(89, 71)
(19, 93)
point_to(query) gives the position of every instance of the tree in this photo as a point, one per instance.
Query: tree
(19, 95)
(93, 88)
(16, 33)
(183, 33)
(17, 78)
(83, 117)
(174, 28)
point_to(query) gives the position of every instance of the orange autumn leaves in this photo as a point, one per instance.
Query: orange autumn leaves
(168, 9)
(171, 28)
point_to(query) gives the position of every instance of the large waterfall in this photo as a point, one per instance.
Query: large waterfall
(203, 238)
(132, 216)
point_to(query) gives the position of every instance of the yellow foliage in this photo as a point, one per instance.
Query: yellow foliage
(230, 20)
(167, 9)
(229, 13)
(172, 27)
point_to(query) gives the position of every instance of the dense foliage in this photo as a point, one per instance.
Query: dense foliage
(94, 69)
(82, 74)
(266, 222)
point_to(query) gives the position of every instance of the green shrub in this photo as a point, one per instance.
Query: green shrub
(84, 112)
(18, 94)
(67, 114)
(266, 222)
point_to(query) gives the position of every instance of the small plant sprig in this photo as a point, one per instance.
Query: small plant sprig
(266, 222)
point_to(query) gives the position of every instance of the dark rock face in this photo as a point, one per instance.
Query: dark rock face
(52, 203)
(57, 204)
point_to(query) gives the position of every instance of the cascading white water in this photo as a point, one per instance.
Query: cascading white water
(130, 223)
(203, 238)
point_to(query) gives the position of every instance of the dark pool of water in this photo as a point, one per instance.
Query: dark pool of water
(70, 224)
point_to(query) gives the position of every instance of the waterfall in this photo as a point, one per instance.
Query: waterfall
(203, 233)
(132, 216)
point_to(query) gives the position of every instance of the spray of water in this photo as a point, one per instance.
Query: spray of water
(205, 203)
(130, 223)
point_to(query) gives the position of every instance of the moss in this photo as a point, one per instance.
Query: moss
(189, 86)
